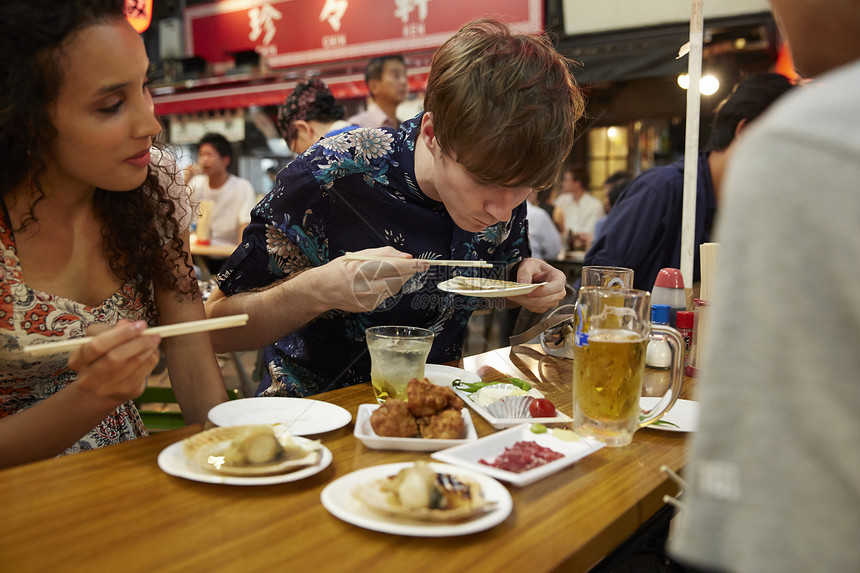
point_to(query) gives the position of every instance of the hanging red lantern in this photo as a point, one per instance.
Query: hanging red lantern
(785, 64)
(139, 13)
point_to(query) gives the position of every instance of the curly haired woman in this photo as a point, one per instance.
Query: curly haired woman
(92, 235)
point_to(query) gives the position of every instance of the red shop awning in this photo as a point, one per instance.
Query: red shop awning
(235, 96)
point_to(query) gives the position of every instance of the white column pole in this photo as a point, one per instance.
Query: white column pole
(691, 149)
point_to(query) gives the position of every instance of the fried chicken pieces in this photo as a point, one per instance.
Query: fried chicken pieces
(431, 412)
(393, 419)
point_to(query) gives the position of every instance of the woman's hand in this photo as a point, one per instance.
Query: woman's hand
(545, 297)
(114, 365)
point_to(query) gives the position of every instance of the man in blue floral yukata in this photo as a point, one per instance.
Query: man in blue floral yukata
(450, 183)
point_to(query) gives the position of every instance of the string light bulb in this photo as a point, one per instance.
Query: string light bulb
(708, 85)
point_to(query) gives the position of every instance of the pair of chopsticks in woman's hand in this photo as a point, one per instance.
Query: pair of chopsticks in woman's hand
(190, 327)
(205, 325)
(443, 262)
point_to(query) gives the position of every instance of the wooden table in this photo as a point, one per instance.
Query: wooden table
(219, 250)
(114, 509)
(201, 252)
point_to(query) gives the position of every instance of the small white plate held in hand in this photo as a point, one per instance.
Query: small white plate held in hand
(474, 286)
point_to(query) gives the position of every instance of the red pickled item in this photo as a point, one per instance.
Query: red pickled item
(523, 455)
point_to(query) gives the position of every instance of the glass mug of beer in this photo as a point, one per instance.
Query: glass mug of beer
(600, 276)
(555, 340)
(612, 329)
(397, 355)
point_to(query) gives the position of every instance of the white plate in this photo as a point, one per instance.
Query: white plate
(684, 414)
(488, 447)
(452, 286)
(337, 498)
(501, 423)
(442, 375)
(172, 461)
(364, 432)
(302, 416)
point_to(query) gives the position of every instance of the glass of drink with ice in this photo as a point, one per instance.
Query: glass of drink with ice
(397, 355)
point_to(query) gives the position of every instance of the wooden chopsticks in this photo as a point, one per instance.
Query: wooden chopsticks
(443, 262)
(189, 327)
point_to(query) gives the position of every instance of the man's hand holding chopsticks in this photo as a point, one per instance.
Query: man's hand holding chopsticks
(362, 285)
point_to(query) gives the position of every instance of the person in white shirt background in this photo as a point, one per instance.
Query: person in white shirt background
(232, 197)
(386, 79)
(576, 210)
(544, 237)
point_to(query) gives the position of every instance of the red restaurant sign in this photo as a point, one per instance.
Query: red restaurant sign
(302, 32)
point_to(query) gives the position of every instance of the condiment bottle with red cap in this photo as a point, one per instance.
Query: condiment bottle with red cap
(669, 289)
(684, 325)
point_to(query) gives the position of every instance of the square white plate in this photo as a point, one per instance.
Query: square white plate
(683, 417)
(364, 432)
(502, 423)
(488, 447)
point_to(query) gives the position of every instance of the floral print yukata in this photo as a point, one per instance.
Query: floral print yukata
(29, 316)
(350, 192)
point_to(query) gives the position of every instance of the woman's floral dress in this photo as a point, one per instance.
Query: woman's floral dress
(29, 316)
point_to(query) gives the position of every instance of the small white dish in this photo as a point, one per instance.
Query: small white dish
(302, 416)
(502, 423)
(338, 500)
(172, 461)
(364, 432)
(455, 286)
(684, 415)
(488, 447)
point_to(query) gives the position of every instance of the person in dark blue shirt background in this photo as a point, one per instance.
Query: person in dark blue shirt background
(643, 230)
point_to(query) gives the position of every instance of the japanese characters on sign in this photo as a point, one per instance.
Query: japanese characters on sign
(297, 32)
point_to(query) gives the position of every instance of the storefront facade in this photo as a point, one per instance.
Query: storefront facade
(227, 65)
(629, 64)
